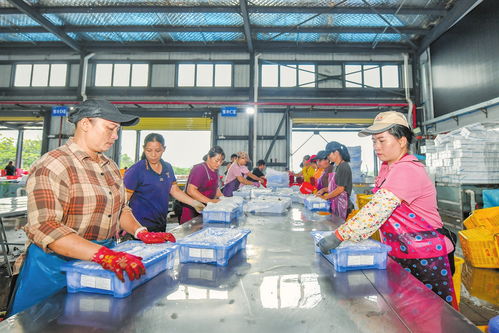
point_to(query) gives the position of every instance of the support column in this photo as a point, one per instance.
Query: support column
(137, 146)
(45, 132)
(19, 148)
(288, 139)
(251, 119)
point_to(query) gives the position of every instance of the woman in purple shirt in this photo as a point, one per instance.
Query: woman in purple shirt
(149, 184)
(202, 183)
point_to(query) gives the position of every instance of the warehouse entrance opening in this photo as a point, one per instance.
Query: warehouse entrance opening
(183, 148)
(310, 141)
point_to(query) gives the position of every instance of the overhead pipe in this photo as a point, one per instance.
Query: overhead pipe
(84, 75)
(255, 106)
(209, 103)
(411, 110)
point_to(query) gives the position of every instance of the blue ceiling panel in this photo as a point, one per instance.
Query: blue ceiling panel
(118, 36)
(342, 20)
(206, 36)
(283, 19)
(146, 19)
(290, 37)
(16, 20)
(28, 37)
(368, 38)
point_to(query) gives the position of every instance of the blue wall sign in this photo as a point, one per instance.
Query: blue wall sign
(59, 111)
(229, 111)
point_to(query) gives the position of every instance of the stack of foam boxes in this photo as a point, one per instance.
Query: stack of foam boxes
(466, 155)
(355, 164)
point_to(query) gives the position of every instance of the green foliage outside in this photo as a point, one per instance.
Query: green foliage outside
(126, 162)
(31, 152)
(181, 171)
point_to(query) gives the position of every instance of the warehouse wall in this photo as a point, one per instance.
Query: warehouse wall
(464, 61)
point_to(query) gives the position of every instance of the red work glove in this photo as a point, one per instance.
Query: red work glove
(119, 262)
(155, 237)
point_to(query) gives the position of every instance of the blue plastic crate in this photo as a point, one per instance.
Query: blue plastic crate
(243, 194)
(314, 204)
(212, 245)
(268, 205)
(221, 216)
(349, 256)
(299, 198)
(260, 192)
(87, 276)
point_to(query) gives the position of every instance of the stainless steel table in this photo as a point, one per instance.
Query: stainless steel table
(10, 207)
(278, 284)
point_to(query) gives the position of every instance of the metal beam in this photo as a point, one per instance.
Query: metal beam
(219, 28)
(455, 14)
(260, 46)
(40, 19)
(276, 135)
(374, 10)
(436, 11)
(247, 28)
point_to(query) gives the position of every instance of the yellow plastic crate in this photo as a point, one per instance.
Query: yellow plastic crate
(481, 283)
(487, 217)
(362, 199)
(480, 246)
(374, 236)
(456, 278)
(352, 214)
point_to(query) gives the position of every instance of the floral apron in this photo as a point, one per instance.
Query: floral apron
(420, 249)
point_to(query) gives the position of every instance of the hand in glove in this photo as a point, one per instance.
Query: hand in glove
(154, 237)
(198, 206)
(329, 243)
(119, 262)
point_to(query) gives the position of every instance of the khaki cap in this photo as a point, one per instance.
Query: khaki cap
(243, 154)
(384, 121)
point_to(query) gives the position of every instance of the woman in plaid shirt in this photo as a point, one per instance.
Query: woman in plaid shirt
(76, 204)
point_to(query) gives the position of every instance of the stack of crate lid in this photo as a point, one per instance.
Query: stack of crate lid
(466, 155)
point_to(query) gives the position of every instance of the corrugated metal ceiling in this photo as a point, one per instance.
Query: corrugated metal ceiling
(307, 22)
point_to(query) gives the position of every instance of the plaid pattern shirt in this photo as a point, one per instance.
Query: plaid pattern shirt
(68, 192)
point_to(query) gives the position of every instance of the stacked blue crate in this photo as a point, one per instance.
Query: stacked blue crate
(216, 215)
(224, 211)
(87, 276)
(356, 163)
(277, 179)
(212, 245)
(268, 205)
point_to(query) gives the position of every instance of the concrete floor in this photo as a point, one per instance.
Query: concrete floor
(479, 288)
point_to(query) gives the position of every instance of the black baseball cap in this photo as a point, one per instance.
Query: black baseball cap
(99, 108)
(321, 155)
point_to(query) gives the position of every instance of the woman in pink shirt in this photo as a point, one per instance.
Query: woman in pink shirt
(404, 208)
(237, 175)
